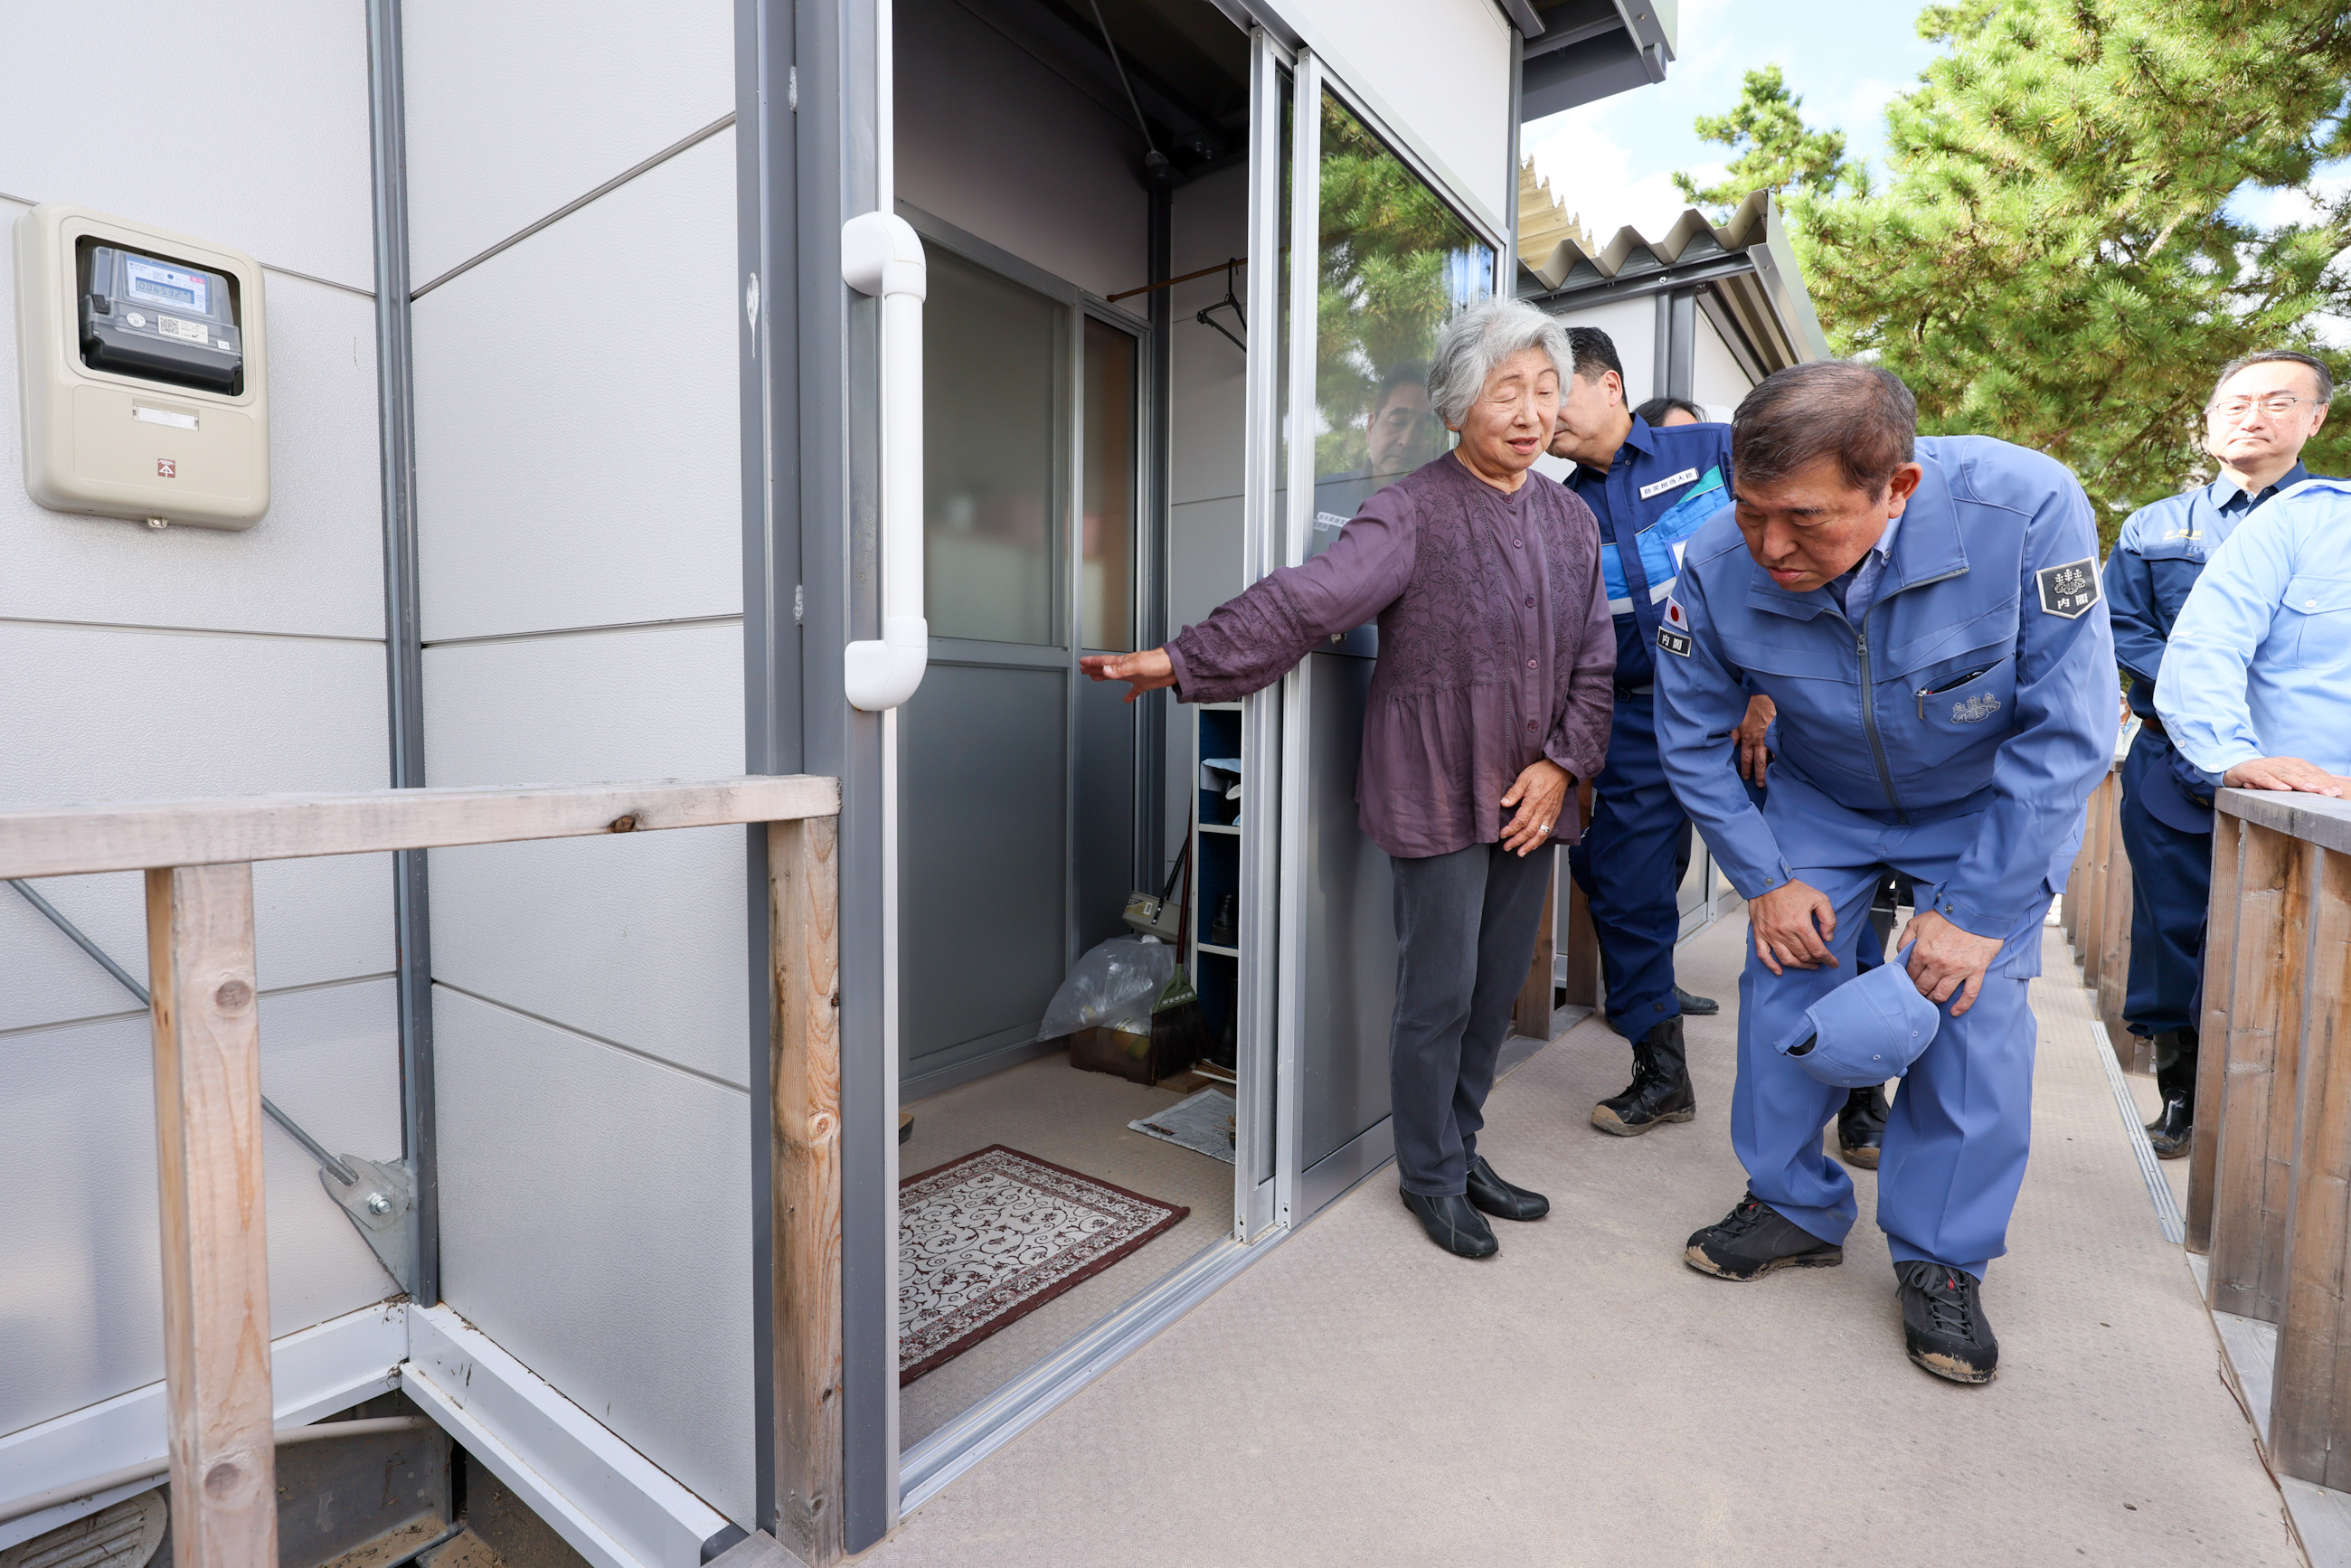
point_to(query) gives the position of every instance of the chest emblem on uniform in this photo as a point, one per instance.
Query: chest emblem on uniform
(1976, 709)
(2070, 590)
(1670, 482)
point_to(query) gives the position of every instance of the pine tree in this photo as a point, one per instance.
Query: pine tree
(1776, 152)
(2057, 259)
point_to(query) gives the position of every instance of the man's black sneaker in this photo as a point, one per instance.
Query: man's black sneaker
(2172, 1134)
(1490, 1194)
(1752, 1241)
(1943, 1324)
(1861, 1126)
(1695, 1005)
(1660, 1090)
(1454, 1224)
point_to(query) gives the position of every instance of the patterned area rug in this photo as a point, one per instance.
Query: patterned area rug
(990, 1238)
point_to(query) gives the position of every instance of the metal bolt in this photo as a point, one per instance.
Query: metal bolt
(379, 1204)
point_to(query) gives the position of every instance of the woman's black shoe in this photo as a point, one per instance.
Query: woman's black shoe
(1695, 1005)
(1454, 1224)
(1943, 1324)
(1861, 1126)
(1492, 1195)
(1752, 1241)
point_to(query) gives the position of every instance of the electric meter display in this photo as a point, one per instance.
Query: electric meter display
(144, 316)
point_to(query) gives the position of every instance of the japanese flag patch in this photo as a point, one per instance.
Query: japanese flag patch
(2069, 589)
(1673, 630)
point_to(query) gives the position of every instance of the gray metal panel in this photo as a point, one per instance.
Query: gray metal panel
(1329, 1179)
(404, 634)
(1104, 809)
(766, 208)
(1349, 955)
(983, 791)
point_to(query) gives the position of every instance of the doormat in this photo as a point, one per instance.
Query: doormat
(988, 1238)
(1203, 1124)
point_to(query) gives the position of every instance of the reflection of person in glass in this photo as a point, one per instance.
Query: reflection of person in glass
(1401, 433)
(1491, 697)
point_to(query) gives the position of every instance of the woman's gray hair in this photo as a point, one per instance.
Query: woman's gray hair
(1481, 338)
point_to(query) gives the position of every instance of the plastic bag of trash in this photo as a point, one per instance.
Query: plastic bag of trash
(1113, 986)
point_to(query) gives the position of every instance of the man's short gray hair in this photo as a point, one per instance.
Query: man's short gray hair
(1481, 338)
(2319, 373)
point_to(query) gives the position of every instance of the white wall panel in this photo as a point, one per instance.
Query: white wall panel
(1716, 378)
(245, 124)
(314, 920)
(314, 565)
(997, 145)
(596, 1223)
(1441, 65)
(81, 1275)
(658, 702)
(517, 108)
(1208, 375)
(1632, 327)
(576, 466)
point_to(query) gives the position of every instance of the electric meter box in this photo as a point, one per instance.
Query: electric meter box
(141, 358)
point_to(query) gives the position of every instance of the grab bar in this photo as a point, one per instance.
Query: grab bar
(882, 255)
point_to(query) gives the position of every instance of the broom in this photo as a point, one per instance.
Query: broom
(1180, 1034)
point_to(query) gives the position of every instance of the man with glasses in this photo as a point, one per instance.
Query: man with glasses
(2263, 408)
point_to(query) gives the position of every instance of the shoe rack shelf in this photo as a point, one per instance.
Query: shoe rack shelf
(1216, 865)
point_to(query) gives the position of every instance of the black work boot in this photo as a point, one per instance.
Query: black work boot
(1454, 1224)
(1752, 1241)
(1861, 1126)
(1943, 1324)
(1695, 1006)
(1660, 1090)
(1490, 1194)
(2174, 1131)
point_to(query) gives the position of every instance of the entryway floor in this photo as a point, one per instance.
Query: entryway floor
(1361, 1398)
(1078, 1120)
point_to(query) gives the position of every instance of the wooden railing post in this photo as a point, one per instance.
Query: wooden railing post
(2113, 962)
(2310, 1410)
(216, 1243)
(2213, 1029)
(2255, 1117)
(803, 882)
(2094, 916)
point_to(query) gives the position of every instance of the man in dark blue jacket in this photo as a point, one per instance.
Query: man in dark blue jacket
(1650, 486)
(2265, 407)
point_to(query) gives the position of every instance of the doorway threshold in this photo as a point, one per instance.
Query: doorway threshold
(930, 1466)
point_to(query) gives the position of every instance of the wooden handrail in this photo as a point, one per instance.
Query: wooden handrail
(68, 841)
(2269, 1193)
(197, 856)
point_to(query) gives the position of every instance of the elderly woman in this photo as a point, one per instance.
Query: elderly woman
(1492, 696)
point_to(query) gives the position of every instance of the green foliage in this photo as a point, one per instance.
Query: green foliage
(1776, 154)
(1395, 264)
(2054, 260)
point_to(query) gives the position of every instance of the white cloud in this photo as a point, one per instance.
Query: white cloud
(1592, 174)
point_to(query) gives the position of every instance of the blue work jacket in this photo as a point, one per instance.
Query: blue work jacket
(2260, 662)
(1663, 485)
(1978, 683)
(2162, 550)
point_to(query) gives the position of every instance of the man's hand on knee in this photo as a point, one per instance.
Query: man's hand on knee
(1793, 926)
(1944, 959)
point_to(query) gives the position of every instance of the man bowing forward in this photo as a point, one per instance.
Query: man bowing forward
(1919, 609)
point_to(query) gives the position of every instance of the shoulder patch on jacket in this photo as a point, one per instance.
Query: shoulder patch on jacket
(1673, 630)
(2069, 589)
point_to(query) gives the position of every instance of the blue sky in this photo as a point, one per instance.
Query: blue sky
(1609, 162)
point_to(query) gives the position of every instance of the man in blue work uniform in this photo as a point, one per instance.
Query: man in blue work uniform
(2263, 408)
(1650, 486)
(1919, 611)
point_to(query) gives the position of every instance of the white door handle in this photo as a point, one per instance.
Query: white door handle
(880, 255)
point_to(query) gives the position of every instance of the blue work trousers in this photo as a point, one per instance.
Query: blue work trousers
(2172, 883)
(1956, 1141)
(1626, 867)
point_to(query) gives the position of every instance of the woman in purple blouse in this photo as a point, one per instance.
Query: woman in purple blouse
(1491, 697)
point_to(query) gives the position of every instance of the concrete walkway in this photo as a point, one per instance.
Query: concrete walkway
(1361, 1398)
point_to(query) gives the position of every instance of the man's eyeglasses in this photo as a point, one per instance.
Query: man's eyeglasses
(2276, 404)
